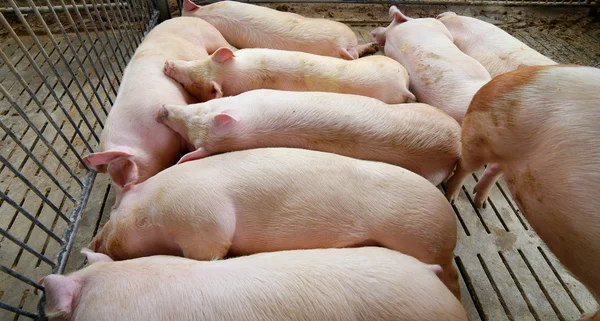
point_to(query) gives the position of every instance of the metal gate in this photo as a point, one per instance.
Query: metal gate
(60, 68)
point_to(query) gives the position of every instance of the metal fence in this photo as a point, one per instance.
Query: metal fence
(60, 68)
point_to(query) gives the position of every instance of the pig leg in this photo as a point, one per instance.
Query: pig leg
(491, 174)
(366, 49)
(473, 157)
(197, 154)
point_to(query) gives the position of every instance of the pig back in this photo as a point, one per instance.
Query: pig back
(252, 26)
(497, 50)
(144, 88)
(440, 74)
(336, 283)
(311, 198)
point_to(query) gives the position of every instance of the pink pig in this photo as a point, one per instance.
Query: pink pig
(226, 73)
(541, 126)
(273, 199)
(440, 74)
(360, 284)
(250, 26)
(418, 137)
(133, 147)
(494, 48)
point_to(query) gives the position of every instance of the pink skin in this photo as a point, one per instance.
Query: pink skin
(549, 159)
(440, 74)
(274, 199)
(418, 137)
(228, 73)
(132, 146)
(251, 26)
(490, 176)
(337, 284)
(494, 48)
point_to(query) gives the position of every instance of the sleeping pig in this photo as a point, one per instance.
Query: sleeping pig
(360, 284)
(418, 137)
(133, 147)
(494, 48)
(440, 74)
(274, 199)
(250, 26)
(226, 73)
(541, 125)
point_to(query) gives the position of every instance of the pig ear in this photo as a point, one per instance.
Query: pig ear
(222, 54)
(216, 89)
(60, 292)
(94, 257)
(197, 154)
(188, 5)
(124, 172)
(399, 17)
(448, 13)
(95, 160)
(227, 117)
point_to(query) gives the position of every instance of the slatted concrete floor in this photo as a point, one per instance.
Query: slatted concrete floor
(506, 272)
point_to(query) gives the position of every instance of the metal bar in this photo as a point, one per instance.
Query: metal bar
(130, 29)
(114, 53)
(94, 46)
(44, 111)
(73, 76)
(88, 55)
(32, 187)
(4, 233)
(179, 6)
(32, 218)
(35, 159)
(44, 78)
(163, 9)
(145, 19)
(131, 48)
(146, 7)
(138, 24)
(20, 277)
(75, 220)
(50, 8)
(70, 44)
(108, 38)
(18, 311)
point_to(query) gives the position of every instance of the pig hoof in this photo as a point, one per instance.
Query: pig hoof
(162, 114)
(366, 49)
(168, 69)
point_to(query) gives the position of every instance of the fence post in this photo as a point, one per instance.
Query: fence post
(163, 10)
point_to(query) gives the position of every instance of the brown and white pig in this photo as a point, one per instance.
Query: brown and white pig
(274, 199)
(246, 25)
(541, 125)
(494, 48)
(418, 137)
(133, 147)
(367, 283)
(440, 74)
(226, 73)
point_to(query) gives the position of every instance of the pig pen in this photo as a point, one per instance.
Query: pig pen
(61, 65)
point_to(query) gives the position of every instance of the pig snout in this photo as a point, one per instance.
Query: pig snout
(162, 114)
